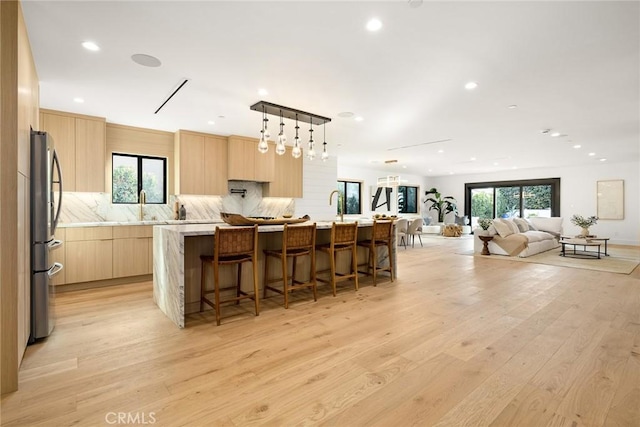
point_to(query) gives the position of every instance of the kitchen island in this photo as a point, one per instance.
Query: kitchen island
(176, 261)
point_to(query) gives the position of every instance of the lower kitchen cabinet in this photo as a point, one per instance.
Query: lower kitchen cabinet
(102, 253)
(89, 260)
(130, 257)
(132, 245)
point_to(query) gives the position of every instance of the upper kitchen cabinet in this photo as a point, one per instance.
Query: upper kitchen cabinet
(201, 163)
(287, 179)
(246, 163)
(80, 142)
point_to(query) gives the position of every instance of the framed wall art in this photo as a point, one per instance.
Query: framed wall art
(611, 199)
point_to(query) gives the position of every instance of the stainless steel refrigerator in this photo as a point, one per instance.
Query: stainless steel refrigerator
(46, 176)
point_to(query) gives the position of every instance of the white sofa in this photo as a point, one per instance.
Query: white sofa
(519, 237)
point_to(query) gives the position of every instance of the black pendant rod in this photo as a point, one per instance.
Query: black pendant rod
(289, 113)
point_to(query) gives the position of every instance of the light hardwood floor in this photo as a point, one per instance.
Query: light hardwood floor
(456, 340)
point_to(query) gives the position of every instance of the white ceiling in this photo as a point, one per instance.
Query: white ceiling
(573, 67)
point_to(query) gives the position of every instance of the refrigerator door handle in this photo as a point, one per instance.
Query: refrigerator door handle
(56, 162)
(54, 244)
(57, 268)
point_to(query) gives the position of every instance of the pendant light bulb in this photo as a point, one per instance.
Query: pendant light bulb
(280, 148)
(263, 147)
(311, 154)
(297, 151)
(325, 155)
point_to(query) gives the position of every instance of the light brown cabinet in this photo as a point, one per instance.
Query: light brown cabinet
(200, 163)
(131, 247)
(246, 163)
(102, 253)
(88, 254)
(80, 142)
(287, 177)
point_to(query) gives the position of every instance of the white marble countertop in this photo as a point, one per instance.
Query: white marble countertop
(208, 229)
(147, 222)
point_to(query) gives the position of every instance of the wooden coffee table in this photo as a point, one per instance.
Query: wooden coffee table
(596, 239)
(581, 254)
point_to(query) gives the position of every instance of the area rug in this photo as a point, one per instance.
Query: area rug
(621, 260)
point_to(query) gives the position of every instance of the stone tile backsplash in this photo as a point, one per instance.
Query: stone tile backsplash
(97, 207)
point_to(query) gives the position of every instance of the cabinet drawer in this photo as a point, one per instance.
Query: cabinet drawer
(89, 233)
(132, 231)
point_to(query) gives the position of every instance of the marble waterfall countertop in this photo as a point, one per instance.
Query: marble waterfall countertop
(145, 222)
(176, 263)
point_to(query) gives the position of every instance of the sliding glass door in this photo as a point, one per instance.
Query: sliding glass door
(509, 199)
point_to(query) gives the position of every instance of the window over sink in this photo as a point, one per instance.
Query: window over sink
(133, 173)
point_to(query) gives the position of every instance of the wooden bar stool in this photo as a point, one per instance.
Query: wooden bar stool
(235, 245)
(381, 235)
(343, 238)
(297, 241)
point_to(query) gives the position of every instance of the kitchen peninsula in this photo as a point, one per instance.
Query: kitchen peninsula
(176, 261)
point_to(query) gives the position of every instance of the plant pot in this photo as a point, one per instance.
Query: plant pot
(584, 232)
(481, 232)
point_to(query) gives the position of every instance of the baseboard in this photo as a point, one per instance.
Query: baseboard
(102, 283)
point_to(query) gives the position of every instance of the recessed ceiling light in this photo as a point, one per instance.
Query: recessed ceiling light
(263, 92)
(471, 85)
(91, 46)
(221, 117)
(374, 24)
(545, 131)
(495, 163)
(211, 122)
(512, 106)
(592, 154)
(514, 167)
(450, 173)
(577, 146)
(473, 159)
(603, 160)
(146, 60)
(404, 166)
(430, 170)
(440, 151)
(555, 134)
(345, 114)
(358, 119)
(78, 100)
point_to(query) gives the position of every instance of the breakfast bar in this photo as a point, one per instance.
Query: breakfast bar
(176, 261)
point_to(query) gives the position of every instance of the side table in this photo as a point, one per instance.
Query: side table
(485, 241)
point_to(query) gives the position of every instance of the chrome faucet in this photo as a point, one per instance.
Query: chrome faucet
(143, 200)
(339, 201)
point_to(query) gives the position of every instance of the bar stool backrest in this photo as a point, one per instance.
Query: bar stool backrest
(299, 237)
(342, 234)
(382, 230)
(235, 241)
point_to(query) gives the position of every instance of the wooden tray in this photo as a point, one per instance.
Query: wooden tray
(237, 219)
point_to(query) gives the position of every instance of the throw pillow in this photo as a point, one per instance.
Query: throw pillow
(551, 225)
(531, 226)
(502, 228)
(512, 225)
(522, 224)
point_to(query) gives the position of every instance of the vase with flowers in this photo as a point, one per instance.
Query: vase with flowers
(584, 223)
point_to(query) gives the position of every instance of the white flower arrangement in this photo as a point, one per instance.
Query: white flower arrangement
(485, 223)
(583, 222)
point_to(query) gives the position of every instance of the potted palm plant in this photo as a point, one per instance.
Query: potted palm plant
(442, 205)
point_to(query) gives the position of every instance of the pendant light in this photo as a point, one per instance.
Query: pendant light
(263, 146)
(311, 154)
(325, 155)
(280, 148)
(297, 151)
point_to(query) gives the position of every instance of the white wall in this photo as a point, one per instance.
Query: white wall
(370, 179)
(577, 194)
(319, 180)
